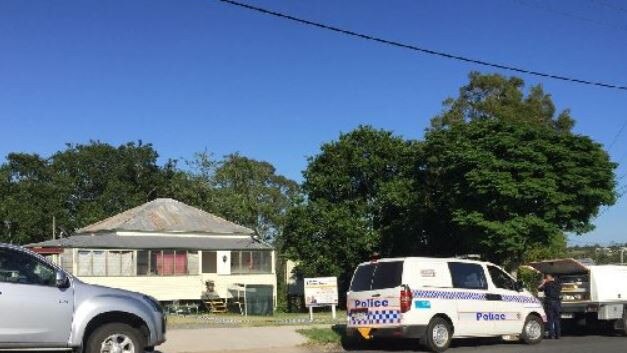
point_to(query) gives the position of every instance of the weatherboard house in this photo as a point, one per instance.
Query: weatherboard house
(166, 249)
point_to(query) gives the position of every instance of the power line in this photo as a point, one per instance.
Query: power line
(609, 5)
(542, 6)
(620, 131)
(422, 50)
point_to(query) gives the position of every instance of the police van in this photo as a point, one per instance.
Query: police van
(437, 299)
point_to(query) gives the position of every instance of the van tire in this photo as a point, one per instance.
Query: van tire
(533, 330)
(438, 335)
(122, 332)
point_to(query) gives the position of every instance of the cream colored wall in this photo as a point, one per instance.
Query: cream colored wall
(164, 288)
(224, 282)
(167, 288)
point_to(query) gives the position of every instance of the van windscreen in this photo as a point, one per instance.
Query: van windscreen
(379, 275)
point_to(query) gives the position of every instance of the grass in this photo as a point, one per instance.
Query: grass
(235, 320)
(321, 335)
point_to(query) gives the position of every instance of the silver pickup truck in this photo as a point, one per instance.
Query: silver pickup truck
(42, 307)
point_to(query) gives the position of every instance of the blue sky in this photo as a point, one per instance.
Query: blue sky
(193, 75)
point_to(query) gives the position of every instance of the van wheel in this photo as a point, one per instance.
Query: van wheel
(533, 331)
(438, 335)
(115, 338)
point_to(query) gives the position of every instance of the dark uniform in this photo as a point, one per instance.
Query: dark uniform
(553, 307)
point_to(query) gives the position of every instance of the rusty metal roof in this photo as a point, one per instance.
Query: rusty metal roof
(166, 216)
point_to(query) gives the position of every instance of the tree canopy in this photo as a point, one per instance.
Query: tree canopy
(359, 199)
(499, 173)
(85, 183)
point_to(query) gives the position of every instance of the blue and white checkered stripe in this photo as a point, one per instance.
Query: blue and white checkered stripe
(520, 299)
(378, 317)
(448, 295)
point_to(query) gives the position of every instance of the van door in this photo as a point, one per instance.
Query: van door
(511, 308)
(34, 311)
(374, 295)
(475, 306)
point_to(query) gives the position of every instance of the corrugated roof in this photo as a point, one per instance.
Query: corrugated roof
(166, 215)
(114, 241)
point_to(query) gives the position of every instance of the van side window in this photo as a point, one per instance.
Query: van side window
(467, 275)
(501, 279)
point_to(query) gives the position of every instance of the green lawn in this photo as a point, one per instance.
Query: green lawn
(235, 320)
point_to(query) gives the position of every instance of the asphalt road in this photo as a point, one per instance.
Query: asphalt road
(572, 344)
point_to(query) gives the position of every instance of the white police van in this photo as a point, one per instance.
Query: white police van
(437, 299)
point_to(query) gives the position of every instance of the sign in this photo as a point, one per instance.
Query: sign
(321, 291)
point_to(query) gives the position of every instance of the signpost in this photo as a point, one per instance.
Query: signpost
(321, 291)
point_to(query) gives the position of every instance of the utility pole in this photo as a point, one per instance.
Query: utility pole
(54, 227)
(7, 224)
(622, 253)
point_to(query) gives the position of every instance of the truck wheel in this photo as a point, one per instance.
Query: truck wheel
(438, 335)
(533, 331)
(115, 338)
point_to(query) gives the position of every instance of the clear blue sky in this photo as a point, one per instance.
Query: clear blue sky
(189, 75)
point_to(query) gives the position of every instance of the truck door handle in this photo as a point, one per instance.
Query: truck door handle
(376, 295)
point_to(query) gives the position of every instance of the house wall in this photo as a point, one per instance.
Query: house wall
(163, 288)
(168, 288)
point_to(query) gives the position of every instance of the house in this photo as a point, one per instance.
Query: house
(166, 249)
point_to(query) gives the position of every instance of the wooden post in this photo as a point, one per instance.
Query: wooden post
(311, 313)
(333, 313)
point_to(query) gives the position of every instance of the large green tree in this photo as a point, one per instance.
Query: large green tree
(506, 176)
(500, 188)
(360, 195)
(81, 184)
(84, 183)
(241, 189)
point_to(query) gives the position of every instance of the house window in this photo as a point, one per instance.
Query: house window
(209, 262)
(120, 263)
(167, 262)
(101, 263)
(251, 262)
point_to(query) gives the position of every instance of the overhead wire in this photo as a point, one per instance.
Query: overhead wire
(421, 49)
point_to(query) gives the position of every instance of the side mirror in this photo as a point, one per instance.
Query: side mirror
(62, 280)
(519, 286)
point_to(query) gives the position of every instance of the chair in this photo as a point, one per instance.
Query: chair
(238, 292)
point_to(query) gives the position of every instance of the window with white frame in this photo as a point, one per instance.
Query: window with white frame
(256, 261)
(167, 262)
(101, 263)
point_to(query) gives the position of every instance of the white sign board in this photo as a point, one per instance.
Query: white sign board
(321, 291)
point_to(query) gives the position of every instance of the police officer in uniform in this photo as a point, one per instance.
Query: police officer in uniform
(552, 304)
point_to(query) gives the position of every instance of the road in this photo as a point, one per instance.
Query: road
(573, 344)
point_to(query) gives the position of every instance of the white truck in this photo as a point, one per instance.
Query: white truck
(591, 294)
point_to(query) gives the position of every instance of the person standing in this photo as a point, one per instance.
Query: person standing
(552, 304)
